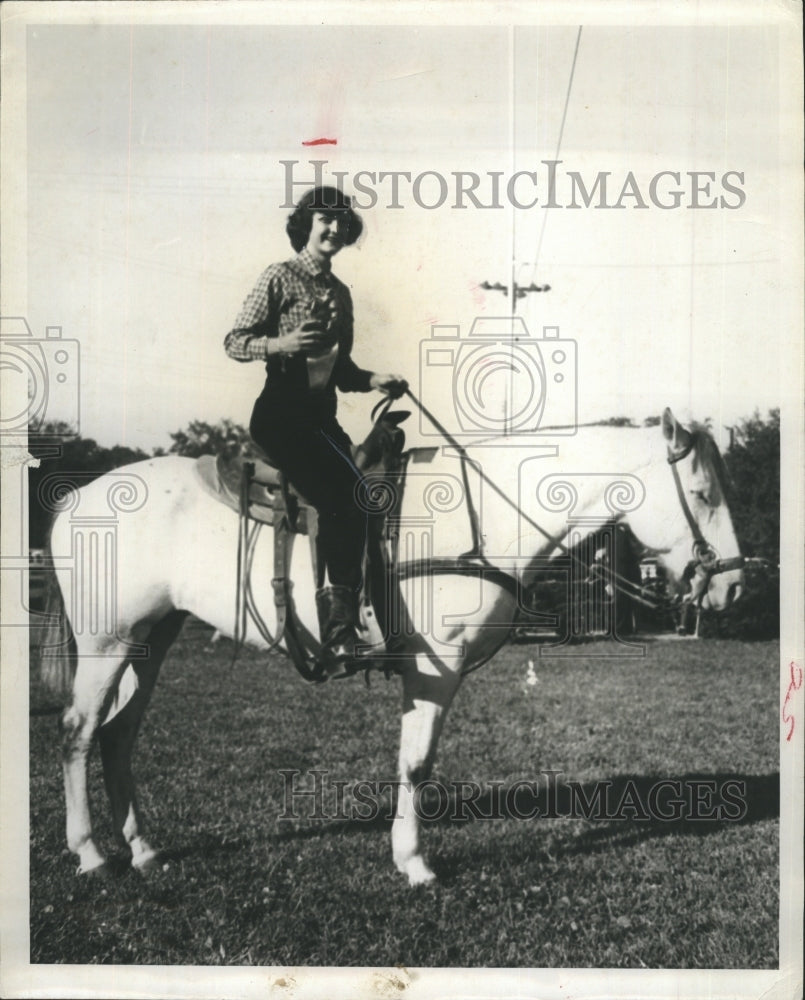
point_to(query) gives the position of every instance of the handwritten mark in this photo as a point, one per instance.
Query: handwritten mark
(794, 684)
(320, 142)
(405, 76)
(168, 243)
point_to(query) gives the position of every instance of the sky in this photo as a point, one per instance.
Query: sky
(155, 192)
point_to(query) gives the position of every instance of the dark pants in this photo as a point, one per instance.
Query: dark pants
(315, 454)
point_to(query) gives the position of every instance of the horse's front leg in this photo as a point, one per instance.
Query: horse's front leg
(428, 690)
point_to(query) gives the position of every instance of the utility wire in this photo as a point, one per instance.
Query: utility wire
(558, 145)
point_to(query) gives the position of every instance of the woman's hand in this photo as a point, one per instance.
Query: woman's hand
(309, 337)
(391, 385)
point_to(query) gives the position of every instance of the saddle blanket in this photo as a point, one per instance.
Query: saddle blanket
(222, 479)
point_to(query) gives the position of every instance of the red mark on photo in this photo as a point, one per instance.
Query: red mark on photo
(320, 142)
(794, 684)
(478, 297)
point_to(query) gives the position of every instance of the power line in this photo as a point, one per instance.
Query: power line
(520, 292)
(559, 142)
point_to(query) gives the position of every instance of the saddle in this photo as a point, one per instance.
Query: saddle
(259, 492)
(225, 477)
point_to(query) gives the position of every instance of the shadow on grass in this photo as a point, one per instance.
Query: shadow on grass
(205, 845)
(623, 810)
(708, 803)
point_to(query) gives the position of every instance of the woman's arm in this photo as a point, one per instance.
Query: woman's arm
(255, 335)
(391, 385)
(255, 327)
(348, 376)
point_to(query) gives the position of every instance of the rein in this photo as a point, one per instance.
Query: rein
(706, 562)
(465, 458)
(475, 561)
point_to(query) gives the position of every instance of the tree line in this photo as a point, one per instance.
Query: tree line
(80, 459)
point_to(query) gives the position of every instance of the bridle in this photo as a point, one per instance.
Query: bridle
(705, 563)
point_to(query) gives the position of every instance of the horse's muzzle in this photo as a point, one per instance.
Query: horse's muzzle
(724, 590)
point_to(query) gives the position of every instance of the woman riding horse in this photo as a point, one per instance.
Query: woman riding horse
(298, 319)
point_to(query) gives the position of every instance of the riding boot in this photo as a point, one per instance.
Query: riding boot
(337, 613)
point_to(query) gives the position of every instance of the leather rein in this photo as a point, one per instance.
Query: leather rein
(702, 567)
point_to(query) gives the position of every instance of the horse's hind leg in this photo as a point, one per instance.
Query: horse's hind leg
(117, 736)
(98, 672)
(428, 691)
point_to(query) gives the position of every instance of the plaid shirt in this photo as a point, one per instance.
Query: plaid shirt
(285, 295)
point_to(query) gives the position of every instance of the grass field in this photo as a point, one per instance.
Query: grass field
(240, 886)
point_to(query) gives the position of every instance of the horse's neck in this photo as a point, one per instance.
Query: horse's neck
(611, 450)
(616, 474)
(543, 490)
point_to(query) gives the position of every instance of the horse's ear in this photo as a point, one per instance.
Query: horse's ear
(677, 436)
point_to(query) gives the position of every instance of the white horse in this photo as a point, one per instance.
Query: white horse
(169, 548)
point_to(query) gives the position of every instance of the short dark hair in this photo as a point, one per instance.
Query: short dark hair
(321, 199)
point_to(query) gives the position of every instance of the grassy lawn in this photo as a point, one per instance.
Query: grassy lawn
(241, 886)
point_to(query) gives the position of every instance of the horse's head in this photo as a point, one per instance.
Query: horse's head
(384, 443)
(693, 532)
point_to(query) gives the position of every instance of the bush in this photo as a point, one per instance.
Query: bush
(753, 463)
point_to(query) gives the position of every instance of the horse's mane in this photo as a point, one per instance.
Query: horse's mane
(706, 451)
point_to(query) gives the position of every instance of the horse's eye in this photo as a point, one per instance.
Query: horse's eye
(703, 496)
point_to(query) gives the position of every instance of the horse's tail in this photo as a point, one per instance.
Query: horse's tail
(57, 649)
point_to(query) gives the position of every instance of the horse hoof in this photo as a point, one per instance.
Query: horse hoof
(418, 873)
(148, 864)
(102, 872)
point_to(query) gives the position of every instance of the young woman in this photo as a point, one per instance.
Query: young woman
(298, 320)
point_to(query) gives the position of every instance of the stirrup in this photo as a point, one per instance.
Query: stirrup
(330, 666)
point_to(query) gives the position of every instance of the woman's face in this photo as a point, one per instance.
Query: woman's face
(327, 232)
